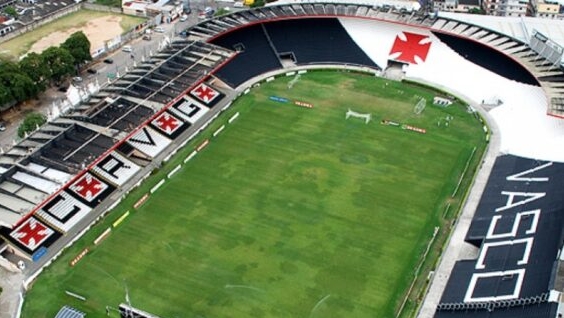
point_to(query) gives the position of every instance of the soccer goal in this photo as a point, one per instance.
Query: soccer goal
(293, 81)
(351, 113)
(420, 106)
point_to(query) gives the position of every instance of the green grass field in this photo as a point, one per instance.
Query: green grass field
(18, 46)
(290, 212)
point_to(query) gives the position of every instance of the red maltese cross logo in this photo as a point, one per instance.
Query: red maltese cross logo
(205, 93)
(89, 187)
(32, 233)
(167, 123)
(410, 48)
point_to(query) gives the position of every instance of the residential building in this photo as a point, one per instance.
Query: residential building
(463, 6)
(506, 8)
(544, 9)
(468, 5)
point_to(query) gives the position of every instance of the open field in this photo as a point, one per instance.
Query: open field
(290, 212)
(98, 27)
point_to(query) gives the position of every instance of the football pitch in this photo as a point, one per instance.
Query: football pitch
(289, 212)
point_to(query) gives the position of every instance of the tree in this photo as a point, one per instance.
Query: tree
(21, 87)
(60, 61)
(78, 46)
(476, 11)
(257, 4)
(30, 123)
(222, 11)
(38, 71)
(5, 95)
(9, 10)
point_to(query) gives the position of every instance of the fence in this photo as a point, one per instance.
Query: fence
(56, 15)
(98, 7)
(37, 23)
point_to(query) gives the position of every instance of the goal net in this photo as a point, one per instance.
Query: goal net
(351, 113)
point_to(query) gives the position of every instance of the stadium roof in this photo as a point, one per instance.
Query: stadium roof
(520, 28)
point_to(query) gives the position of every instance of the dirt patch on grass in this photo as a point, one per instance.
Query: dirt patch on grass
(97, 30)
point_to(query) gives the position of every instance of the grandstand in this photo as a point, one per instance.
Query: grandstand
(52, 181)
(63, 176)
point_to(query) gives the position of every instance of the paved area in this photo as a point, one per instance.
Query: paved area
(11, 284)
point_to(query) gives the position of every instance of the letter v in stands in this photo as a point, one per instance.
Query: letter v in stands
(148, 141)
(206, 94)
(410, 48)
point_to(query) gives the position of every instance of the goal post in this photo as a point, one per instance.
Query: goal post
(420, 106)
(351, 113)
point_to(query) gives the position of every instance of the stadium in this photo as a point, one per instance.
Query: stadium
(501, 260)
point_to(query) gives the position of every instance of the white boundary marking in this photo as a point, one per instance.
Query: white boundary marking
(157, 186)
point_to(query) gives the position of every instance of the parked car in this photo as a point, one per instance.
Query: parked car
(109, 61)
(77, 79)
(147, 37)
(91, 71)
(127, 48)
(2, 126)
(183, 18)
(159, 30)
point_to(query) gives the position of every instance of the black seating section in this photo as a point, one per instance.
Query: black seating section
(312, 41)
(316, 40)
(79, 145)
(256, 58)
(542, 310)
(488, 58)
(509, 175)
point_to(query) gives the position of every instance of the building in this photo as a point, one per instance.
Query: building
(544, 9)
(7, 3)
(506, 8)
(445, 5)
(462, 6)
(135, 8)
(164, 11)
(468, 5)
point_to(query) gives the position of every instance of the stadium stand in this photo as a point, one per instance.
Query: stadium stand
(489, 58)
(53, 180)
(254, 55)
(518, 227)
(314, 41)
